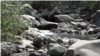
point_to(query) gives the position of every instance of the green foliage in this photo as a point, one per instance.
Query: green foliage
(10, 23)
(92, 5)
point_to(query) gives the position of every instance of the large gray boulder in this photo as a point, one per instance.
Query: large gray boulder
(63, 18)
(31, 20)
(30, 34)
(56, 49)
(28, 10)
(47, 25)
(81, 52)
(8, 48)
(54, 12)
(92, 45)
(96, 18)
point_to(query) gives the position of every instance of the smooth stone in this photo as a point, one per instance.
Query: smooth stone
(31, 20)
(56, 49)
(92, 45)
(63, 18)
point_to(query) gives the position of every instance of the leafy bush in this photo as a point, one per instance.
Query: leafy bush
(92, 5)
(10, 23)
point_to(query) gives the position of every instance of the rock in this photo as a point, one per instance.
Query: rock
(82, 25)
(47, 25)
(72, 41)
(31, 20)
(28, 10)
(45, 13)
(75, 16)
(56, 50)
(42, 51)
(59, 40)
(8, 48)
(92, 45)
(87, 52)
(30, 50)
(51, 40)
(54, 12)
(30, 34)
(96, 18)
(81, 52)
(39, 41)
(63, 18)
(20, 54)
(25, 44)
(37, 54)
(96, 30)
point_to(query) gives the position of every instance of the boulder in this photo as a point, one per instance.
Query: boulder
(63, 18)
(37, 54)
(30, 34)
(26, 43)
(38, 42)
(96, 30)
(54, 12)
(82, 25)
(20, 54)
(47, 25)
(81, 52)
(92, 45)
(8, 48)
(87, 52)
(75, 15)
(96, 18)
(31, 20)
(56, 50)
(28, 10)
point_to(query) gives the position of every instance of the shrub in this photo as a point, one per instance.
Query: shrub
(10, 23)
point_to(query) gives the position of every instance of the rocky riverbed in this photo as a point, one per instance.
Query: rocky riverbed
(56, 34)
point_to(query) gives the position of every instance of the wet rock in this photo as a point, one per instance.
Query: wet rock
(20, 54)
(63, 18)
(87, 52)
(31, 20)
(43, 50)
(82, 25)
(96, 18)
(96, 30)
(30, 50)
(54, 12)
(48, 25)
(75, 16)
(72, 41)
(81, 52)
(37, 54)
(92, 45)
(8, 48)
(59, 40)
(39, 41)
(30, 34)
(25, 44)
(56, 50)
